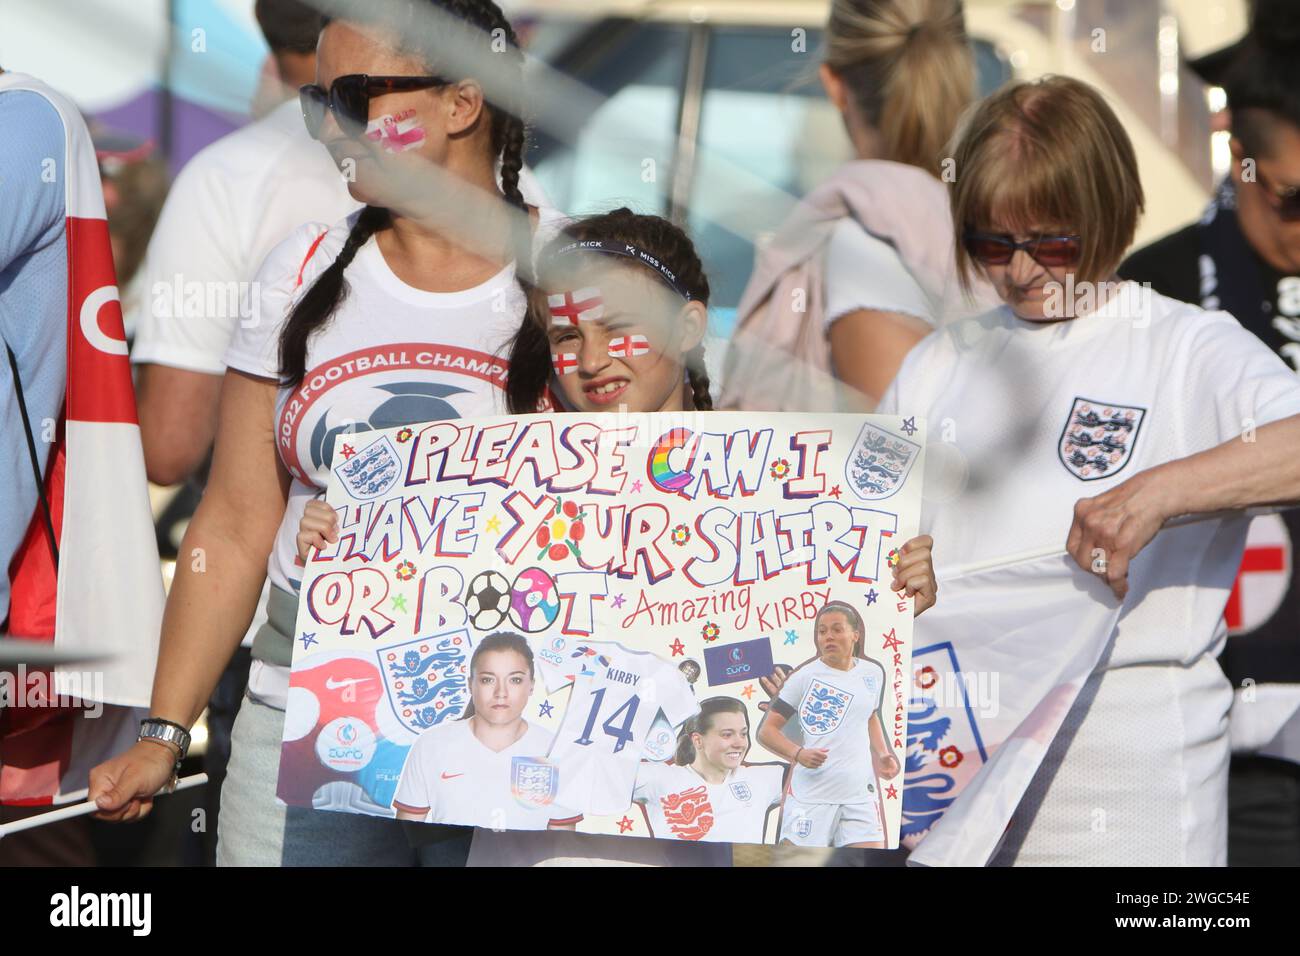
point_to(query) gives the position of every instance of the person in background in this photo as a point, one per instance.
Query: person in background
(33, 324)
(1243, 256)
(230, 205)
(863, 270)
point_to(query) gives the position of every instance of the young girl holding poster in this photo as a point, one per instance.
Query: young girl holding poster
(616, 324)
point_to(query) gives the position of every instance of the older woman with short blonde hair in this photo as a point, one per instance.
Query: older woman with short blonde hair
(1085, 413)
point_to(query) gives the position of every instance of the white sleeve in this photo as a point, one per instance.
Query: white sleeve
(413, 788)
(919, 377)
(289, 267)
(1236, 382)
(676, 699)
(554, 676)
(863, 272)
(791, 693)
(773, 788)
(647, 781)
(192, 271)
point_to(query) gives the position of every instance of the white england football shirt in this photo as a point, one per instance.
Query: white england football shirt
(833, 709)
(460, 780)
(615, 697)
(683, 805)
(1041, 415)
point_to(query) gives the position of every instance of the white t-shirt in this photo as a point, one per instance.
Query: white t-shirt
(683, 805)
(390, 355)
(229, 207)
(1041, 415)
(615, 697)
(462, 781)
(864, 272)
(834, 709)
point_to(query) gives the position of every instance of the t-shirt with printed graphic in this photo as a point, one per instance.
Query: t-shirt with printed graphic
(615, 697)
(390, 355)
(683, 805)
(834, 709)
(460, 780)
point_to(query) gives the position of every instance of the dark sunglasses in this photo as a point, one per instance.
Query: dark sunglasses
(349, 99)
(1050, 251)
(1285, 201)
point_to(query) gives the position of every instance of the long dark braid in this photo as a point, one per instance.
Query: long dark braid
(530, 349)
(322, 297)
(508, 140)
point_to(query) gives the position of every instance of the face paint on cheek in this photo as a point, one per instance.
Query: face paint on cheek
(629, 346)
(581, 305)
(396, 132)
(564, 362)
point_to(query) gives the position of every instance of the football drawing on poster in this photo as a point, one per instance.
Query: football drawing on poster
(648, 625)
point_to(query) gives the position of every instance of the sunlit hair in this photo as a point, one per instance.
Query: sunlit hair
(1049, 154)
(702, 723)
(909, 70)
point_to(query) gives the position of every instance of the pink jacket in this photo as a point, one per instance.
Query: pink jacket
(778, 358)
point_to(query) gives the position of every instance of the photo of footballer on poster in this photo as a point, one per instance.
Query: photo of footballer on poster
(616, 625)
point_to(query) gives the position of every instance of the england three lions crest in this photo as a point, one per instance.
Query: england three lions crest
(370, 472)
(823, 708)
(1098, 438)
(879, 463)
(426, 679)
(533, 781)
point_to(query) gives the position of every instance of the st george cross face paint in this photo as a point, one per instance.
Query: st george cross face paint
(581, 305)
(564, 362)
(629, 346)
(396, 132)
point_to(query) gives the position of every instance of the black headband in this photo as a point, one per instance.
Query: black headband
(631, 252)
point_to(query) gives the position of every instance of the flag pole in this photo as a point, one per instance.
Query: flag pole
(81, 809)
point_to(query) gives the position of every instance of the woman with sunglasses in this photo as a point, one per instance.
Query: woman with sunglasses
(398, 314)
(1085, 413)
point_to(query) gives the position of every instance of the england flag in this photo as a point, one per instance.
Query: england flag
(997, 664)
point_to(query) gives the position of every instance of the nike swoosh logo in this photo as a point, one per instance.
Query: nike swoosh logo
(332, 684)
(451, 776)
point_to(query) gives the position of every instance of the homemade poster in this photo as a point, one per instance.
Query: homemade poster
(564, 621)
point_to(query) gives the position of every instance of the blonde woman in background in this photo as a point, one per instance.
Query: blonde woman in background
(864, 267)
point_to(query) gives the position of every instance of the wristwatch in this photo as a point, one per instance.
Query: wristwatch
(168, 732)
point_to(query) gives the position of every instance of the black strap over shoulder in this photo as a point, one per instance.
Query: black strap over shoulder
(35, 460)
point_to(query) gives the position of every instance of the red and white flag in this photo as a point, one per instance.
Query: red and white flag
(570, 308)
(107, 596)
(564, 362)
(629, 346)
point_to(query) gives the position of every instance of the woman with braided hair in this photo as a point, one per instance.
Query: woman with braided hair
(398, 314)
